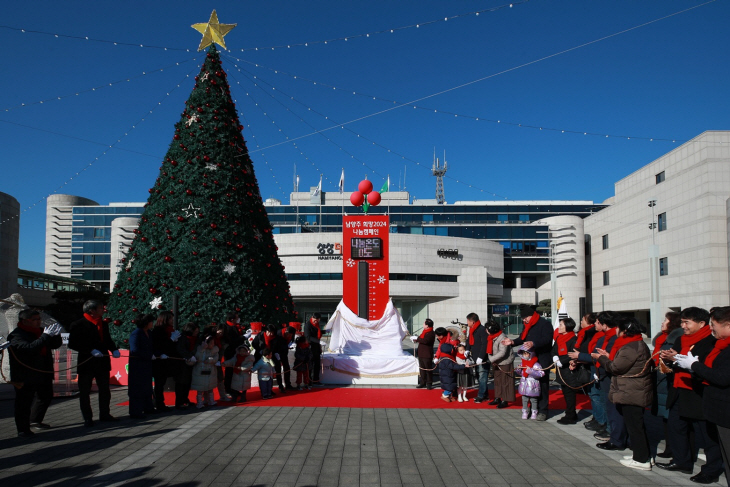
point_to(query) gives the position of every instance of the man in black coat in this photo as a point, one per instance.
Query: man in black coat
(476, 344)
(538, 335)
(313, 335)
(272, 340)
(90, 337)
(31, 348)
(287, 337)
(424, 352)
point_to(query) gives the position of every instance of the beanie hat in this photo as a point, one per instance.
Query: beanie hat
(526, 311)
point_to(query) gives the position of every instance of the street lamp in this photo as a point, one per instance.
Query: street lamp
(655, 305)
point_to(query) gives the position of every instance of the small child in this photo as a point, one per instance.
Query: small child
(265, 369)
(241, 363)
(529, 386)
(302, 358)
(447, 372)
(204, 379)
(464, 378)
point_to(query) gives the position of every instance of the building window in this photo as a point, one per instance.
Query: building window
(528, 282)
(663, 266)
(661, 222)
(660, 177)
(605, 278)
(605, 242)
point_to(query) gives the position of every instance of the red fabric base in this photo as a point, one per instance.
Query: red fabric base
(347, 397)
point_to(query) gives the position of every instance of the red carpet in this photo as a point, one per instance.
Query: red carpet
(348, 397)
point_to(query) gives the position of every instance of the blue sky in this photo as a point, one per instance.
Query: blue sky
(664, 80)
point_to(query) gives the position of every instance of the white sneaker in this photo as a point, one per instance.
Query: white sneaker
(629, 457)
(460, 399)
(466, 399)
(631, 463)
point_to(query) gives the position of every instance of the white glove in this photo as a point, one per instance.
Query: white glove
(595, 376)
(248, 333)
(556, 359)
(435, 361)
(479, 361)
(292, 345)
(175, 335)
(96, 353)
(217, 364)
(323, 343)
(414, 339)
(685, 361)
(154, 358)
(277, 356)
(116, 354)
(52, 330)
(192, 359)
(4, 345)
(163, 356)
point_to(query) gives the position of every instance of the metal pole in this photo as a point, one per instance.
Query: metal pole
(175, 317)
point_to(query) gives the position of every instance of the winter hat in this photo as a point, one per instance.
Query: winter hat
(447, 349)
(526, 311)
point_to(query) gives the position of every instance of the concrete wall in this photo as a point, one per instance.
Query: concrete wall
(121, 238)
(58, 232)
(9, 241)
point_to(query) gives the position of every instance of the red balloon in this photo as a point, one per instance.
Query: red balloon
(365, 186)
(357, 198)
(374, 198)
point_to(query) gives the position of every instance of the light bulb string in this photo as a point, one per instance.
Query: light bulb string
(109, 147)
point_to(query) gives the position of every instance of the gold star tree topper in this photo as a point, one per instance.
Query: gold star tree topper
(213, 32)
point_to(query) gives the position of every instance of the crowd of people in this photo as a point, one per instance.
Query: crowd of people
(684, 380)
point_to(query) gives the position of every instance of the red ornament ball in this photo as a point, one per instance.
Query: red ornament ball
(117, 322)
(219, 293)
(357, 198)
(374, 198)
(180, 219)
(365, 186)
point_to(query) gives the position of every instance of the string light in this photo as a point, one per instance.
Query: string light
(106, 85)
(104, 152)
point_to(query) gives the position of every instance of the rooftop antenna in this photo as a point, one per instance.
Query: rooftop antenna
(439, 172)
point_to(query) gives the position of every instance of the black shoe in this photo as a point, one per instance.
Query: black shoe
(181, 406)
(88, 423)
(595, 427)
(429, 386)
(40, 426)
(701, 478)
(673, 467)
(610, 446)
(108, 418)
(282, 390)
(495, 401)
(502, 405)
(664, 454)
(478, 400)
(163, 409)
(26, 434)
(567, 420)
(590, 424)
(420, 386)
(602, 435)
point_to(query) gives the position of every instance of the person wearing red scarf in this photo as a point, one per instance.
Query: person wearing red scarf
(714, 371)
(476, 344)
(564, 342)
(313, 334)
(162, 348)
(502, 360)
(538, 336)
(424, 353)
(630, 392)
(31, 346)
(240, 365)
(685, 402)
(234, 323)
(187, 346)
(90, 337)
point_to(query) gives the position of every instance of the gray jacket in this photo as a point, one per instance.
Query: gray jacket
(502, 353)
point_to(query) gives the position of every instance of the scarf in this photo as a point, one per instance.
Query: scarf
(683, 378)
(529, 325)
(562, 342)
(528, 363)
(461, 356)
(720, 345)
(490, 342)
(660, 340)
(98, 322)
(237, 326)
(239, 361)
(36, 332)
(426, 329)
(319, 332)
(620, 342)
(472, 329)
(268, 340)
(169, 329)
(582, 336)
(304, 345)
(594, 341)
(607, 338)
(192, 342)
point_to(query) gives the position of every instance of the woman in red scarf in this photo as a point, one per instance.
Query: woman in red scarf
(502, 360)
(187, 345)
(631, 391)
(566, 376)
(670, 332)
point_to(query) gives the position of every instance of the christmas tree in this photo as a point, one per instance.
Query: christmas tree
(204, 235)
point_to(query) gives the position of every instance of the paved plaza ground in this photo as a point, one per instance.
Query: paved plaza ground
(275, 446)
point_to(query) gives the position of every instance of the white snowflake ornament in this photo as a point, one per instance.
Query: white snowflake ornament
(350, 262)
(229, 269)
(156, 302)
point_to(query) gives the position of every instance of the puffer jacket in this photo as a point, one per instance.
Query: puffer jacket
(447, 373)
(630, 360)
(241, 380)
(205, 377)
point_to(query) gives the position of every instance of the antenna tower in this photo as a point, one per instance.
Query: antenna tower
(439, 172)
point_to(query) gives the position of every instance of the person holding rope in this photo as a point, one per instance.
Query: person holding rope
(685, 402)
(187, 346)
(476, 345)
(614, 436)
(163, 338)
(537, 335)
(140, 368)
(580, 355)
(271, 340)
(286, 336)
(566, 369)
(424, 353)
(448, 369)
(302, 359)
(670, 332)
(503, 365)
(31, 370)
(313, 334)
(630, 389)
(90, 337)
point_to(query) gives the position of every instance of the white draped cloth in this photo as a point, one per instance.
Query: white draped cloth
(368, 349)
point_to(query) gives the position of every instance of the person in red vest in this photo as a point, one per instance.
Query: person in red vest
(685, 402)
(313, 334)
(90, 337)
(31, 347)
